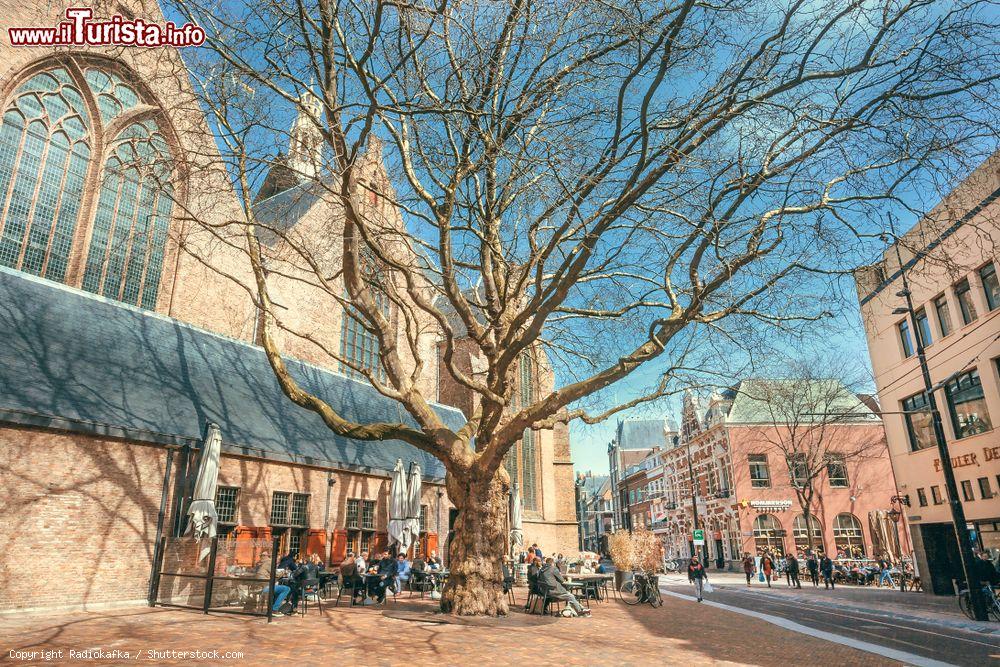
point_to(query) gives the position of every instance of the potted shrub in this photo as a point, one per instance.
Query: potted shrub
(632, 551)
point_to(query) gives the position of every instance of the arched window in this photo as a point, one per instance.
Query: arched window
(47, 142)
(522, 459)
(767, 535)
(45, 149)
(125, 259)
(848, 536)
(804, 541)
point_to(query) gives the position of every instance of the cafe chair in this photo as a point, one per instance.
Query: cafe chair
(311, 589)
(351, 586)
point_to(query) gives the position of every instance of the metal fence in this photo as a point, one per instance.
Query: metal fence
(216, 575)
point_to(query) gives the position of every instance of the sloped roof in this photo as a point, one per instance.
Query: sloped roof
(75, 361)
(815, 400)
(283, 210)
(644, 433)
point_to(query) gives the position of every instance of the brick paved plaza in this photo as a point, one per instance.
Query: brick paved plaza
(680, 632)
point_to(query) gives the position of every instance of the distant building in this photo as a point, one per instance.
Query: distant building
(634, 440)
(950, 260)
(595, 515)
(726, 465)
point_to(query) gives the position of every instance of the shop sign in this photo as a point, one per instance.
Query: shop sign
(771, 505)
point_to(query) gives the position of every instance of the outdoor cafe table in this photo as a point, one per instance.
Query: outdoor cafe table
(589, 581)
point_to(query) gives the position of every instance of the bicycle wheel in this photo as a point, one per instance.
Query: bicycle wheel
(655, 599)
(630, 592)
(965, 604)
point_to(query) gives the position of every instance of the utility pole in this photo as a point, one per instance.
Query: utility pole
(954, 501)
(694, 497)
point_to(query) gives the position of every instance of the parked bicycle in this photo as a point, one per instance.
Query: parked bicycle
(992, 603)
(642, 587)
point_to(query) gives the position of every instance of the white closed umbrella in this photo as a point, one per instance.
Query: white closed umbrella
(203, 519)
(398, 505)
(413, 505)
(516, 512)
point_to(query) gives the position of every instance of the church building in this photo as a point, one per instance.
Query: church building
(127, 334)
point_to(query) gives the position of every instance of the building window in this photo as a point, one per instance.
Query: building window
(359, 346)
(45, 147)
(943, 315)
(227, 499)
(922, 497)
(521, 461)
(936, 495)
(802, 540)
(847, 535)
(279, 508)
(923, 327)
(760, 472)
(360, 524)
(905, 339)
(967, 491)
(768, 535)
(919, 423)
(300, 510)
(988, 274)
(836, 470)
(985, 490)
(798, 470)
(968, 405)
(128, 242)
(423, 518)
(964, 295)
(353, 507)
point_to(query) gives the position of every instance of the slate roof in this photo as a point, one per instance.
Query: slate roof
(283, 210)
(750, 405)
(74, 361)
(644, 433)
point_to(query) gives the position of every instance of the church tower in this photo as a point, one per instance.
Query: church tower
(305, 140)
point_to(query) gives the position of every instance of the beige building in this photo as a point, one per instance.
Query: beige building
(950, 260)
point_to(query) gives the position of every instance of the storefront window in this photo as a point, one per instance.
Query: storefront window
(767, 535)
(802, 539)
(847, 536)
(968, 406)
(919, 424)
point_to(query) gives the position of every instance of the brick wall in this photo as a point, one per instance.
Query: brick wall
(79, 516)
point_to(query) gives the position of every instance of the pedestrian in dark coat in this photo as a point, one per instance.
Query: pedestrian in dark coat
(697, 576)
(748, 567)
(826, 569)
(792, 571)
(813, 566)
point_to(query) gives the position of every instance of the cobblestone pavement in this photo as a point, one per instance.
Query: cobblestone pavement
(678, 633)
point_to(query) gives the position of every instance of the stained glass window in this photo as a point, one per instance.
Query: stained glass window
(44, 155)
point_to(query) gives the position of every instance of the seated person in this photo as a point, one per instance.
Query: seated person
(601, 568)
(550, 580)
(263, 571)
(287, 562)
(586, 568)
(433, 562)
(385, 568)
(533, 570)
(349, 575)
(305, 570)
(403, 569)
(508, 573)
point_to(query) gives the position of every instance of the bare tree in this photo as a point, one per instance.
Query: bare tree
(819, 428)
(597, 183)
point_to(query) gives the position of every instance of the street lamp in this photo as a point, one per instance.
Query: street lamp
(954, 502)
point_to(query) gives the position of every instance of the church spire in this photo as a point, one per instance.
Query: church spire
(305, 140)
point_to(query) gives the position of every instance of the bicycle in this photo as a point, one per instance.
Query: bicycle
(992, 603)
(642, 587)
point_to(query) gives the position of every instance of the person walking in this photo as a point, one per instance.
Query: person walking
(885, 572)
(826, 569)
(813, 566)
(792, 571)
(749, 568)
(697, 576)
(767, 567)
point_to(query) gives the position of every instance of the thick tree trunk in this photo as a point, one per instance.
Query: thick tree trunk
(479, 542)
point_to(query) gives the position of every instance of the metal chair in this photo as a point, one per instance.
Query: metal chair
(353, 585)
(310, 588)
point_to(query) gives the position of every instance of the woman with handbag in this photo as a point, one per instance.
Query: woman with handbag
(697, 576)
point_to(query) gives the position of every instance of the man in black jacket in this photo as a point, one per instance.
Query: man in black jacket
(386, 569)
(550, 581)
